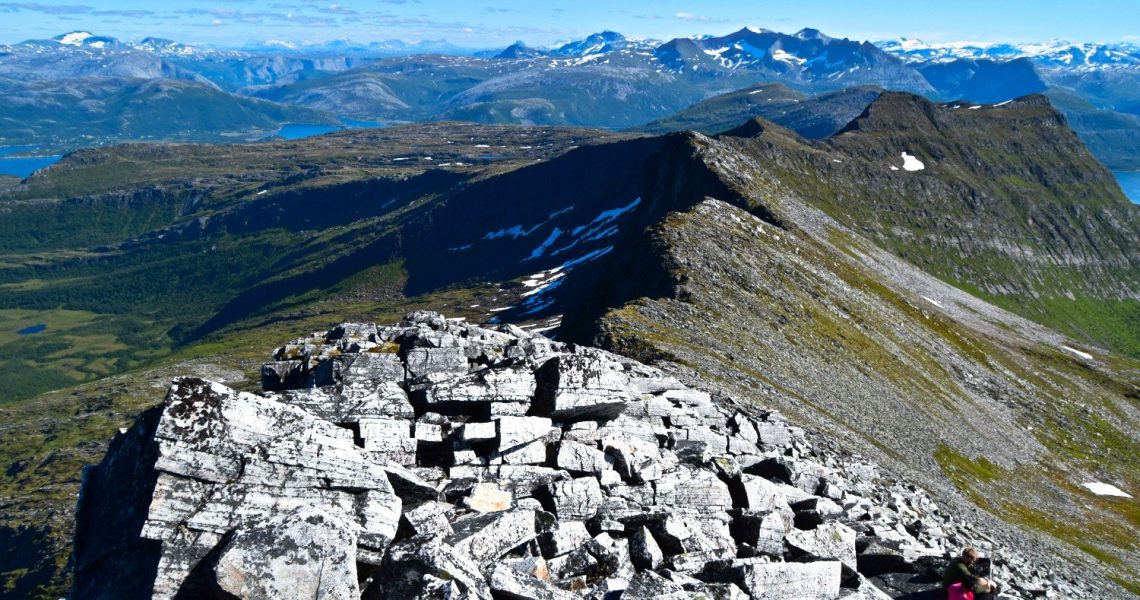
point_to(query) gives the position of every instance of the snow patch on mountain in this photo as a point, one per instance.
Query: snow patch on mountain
(545, 245)
(1052, 54)
(75, 38)
(1105, 489)
(783, 56)
(1084, 355)
(910, 163)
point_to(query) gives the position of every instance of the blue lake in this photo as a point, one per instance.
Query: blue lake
(22, 166)
(1130, 183)
(296, 131)
(38, 327)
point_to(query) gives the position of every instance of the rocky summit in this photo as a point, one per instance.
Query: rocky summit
(436, 459)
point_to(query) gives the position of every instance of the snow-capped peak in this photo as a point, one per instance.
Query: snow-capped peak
(1054, 53)
(75, 38)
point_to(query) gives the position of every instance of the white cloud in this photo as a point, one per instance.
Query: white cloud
(688, 16)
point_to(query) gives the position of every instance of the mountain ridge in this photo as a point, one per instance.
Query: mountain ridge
(808, 256)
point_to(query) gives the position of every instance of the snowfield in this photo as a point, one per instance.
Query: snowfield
(1105, 489)
(911, 163)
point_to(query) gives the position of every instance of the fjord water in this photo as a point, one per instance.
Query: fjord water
(22, 166)
(296, 131)
(1130, 183)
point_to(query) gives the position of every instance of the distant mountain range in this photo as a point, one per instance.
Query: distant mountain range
(603, 80)
(1055, 54)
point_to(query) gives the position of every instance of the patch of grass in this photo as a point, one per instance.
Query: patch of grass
(57, 321)
(968, 474)
(1130, 585)
(1092, 527)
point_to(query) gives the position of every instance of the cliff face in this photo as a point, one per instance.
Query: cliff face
(436, 459)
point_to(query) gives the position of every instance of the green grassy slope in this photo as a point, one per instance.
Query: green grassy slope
(1009, 206)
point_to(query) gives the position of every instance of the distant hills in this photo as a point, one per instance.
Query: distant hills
(603, 80)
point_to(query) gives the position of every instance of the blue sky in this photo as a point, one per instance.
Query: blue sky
(476, 23)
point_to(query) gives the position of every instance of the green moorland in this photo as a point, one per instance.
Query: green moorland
(126, 253)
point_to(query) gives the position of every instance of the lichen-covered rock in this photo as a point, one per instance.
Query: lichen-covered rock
(434, 459)
(834, 541)
(303, 554)
(487, 537)
(416, 565)
(563, 537)
(576, 387)
(577, 499)
(789, 581)
(510, 583)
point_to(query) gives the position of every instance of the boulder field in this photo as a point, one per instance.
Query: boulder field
(436, 459)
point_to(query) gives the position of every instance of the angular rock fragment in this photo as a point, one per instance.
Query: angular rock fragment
(563, 537)
(513, 585)
(426, 361)
(502, 387)
(581, 458)
(523, 440)
(829, 541)
(314, 557)
(877, 558)
(577, 388)
(357, 368)
(488, 497)
(577, 499)
(637, 461)
(789, 581)
(764, 531)
(523, 480)
(487, 537)
(760, 494)
(408, 485)
(344, 405)
(693, 489)
(648, 585)
(378, 514)
(579, 562)
(479, 432)
(424, 562)
(389, 439)
(644, 551)
(283, 375)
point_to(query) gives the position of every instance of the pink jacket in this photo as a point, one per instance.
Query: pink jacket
(958, 591)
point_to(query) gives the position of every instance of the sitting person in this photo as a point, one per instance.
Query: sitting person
(962, 584)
